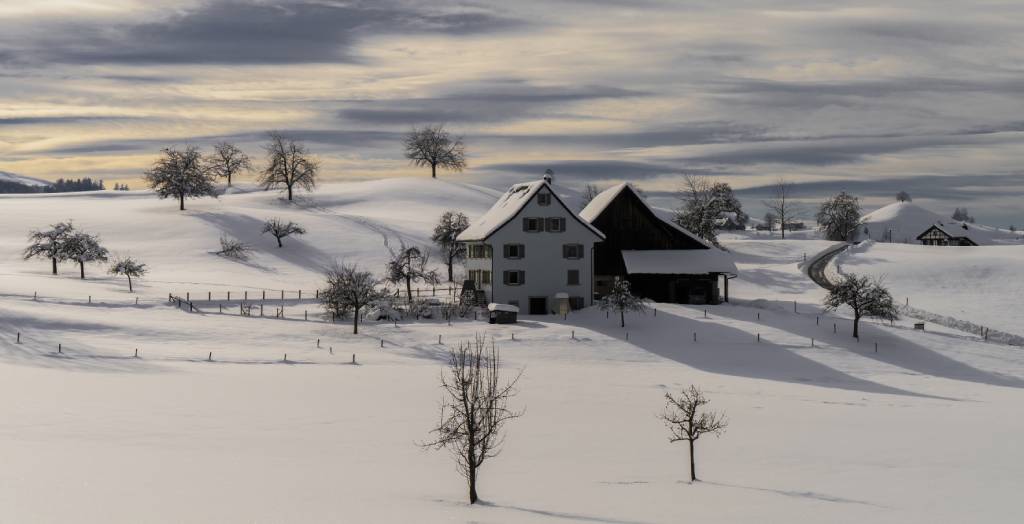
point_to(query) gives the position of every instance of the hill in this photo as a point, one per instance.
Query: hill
(902, 222)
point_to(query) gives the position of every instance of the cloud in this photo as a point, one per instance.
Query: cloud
(250, 32)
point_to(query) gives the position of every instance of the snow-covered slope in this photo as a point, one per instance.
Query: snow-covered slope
(24, 180)
(824, 431)
(982, 284)
(902, 222)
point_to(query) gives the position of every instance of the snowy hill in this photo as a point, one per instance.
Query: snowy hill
(902, 222)
(24, 180)
(211, 423)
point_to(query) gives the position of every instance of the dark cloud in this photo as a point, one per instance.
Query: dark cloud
(587, 169)
(250, 32)
(494, 101)
(32, 120)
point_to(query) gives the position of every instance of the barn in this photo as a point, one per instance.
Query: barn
(940, 234)
(662, 261)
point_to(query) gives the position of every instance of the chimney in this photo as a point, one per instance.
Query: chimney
(549, 176)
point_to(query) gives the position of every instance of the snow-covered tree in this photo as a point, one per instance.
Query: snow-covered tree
(435, 147)
(289, 165)
(782, 205)
(128, 267)
(839, 216)
(233, 248)
(82, 247)
(447, 229)
(474, 408)
(281, 229)
(408, 265)
(903, 196)
(621, 300)
(349, 290)
(704, 202)
(181, 174)
(865, 296)
(961, 215)
(227, 160)
(687, 420)
(589, 192)
(49, 243)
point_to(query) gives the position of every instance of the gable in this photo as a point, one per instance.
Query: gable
(509, 208)
(629, 223)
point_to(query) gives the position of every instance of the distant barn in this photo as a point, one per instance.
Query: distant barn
(940, 234)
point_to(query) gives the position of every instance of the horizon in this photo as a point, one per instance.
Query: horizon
(872, 100)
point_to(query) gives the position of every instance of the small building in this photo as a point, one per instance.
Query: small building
(502, 313)
(661, 260)
(940, 234)
(529, 247)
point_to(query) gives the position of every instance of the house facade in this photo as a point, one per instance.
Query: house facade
(530, 250)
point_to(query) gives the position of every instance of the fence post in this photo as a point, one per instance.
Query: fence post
(209, 358)
(229, 296)
(282, 294)
(60, 348)
(264, 294)
(136, 352)
(694, 336)
(305, 314)
(209, 296)
(261, 310)
(19, 337)
(353, 358)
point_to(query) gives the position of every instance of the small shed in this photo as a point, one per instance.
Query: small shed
(502, 313)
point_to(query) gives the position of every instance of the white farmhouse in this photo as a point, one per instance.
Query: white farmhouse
(530, 249)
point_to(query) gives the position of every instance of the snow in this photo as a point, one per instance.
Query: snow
(831, 433)
(678, 261)
(979, 284)
(502, 307)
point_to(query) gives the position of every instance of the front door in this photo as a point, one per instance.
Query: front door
(538, 305)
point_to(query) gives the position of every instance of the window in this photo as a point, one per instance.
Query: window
(576, 303)
(515, 278)
(478, 251)
(485, 277)
(572, 251)
(533, 225)
(555, 224)
(574, 277)
(515, 251)
(544, 199)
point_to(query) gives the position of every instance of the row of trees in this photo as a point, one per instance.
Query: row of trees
(63, 243)
(183, 173)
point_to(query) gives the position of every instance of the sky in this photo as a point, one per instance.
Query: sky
(872, 98)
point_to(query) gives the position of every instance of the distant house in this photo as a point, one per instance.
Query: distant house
(729, 221)
(661, 260)
(530, 250)
(940, 234)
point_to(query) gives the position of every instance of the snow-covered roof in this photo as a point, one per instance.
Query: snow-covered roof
(507, 207)
(509, 308)
(678, 261)
(606, 197)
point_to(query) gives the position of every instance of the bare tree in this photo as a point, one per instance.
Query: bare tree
(839, 216)
(49, 244)
(687, 420)
(865, 296)
(620, 299)
(589, 192)
(289, 164)
(445, 233)
(281, 229)
(903, 196)
(130, 268)
(782, 205)
(349, 290)
(408, 265)
(227, 160)
(433, 146)
(703, 202)
(181, 174)
(474, 408)
(233, 248)
(82, 247)
(769, 220)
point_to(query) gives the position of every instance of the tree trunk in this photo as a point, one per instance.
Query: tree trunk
(229, 179)
(783, 229)
(856, 325)
(451, 277)
(693, 466)
(54, 259)
(81, 265)
(622, 318)
(181, 202)
(130, 290)
(433, 170)
(472, 485)
(289, 193)
(355, 321)
(408, 288)
(279, 244)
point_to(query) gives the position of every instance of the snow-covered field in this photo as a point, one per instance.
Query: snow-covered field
(831, 433)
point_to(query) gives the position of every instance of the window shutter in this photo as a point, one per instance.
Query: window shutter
(505, 277)
(505, 250)
(526, 224)
(522, 277)
(565, 250)
(522, 251)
